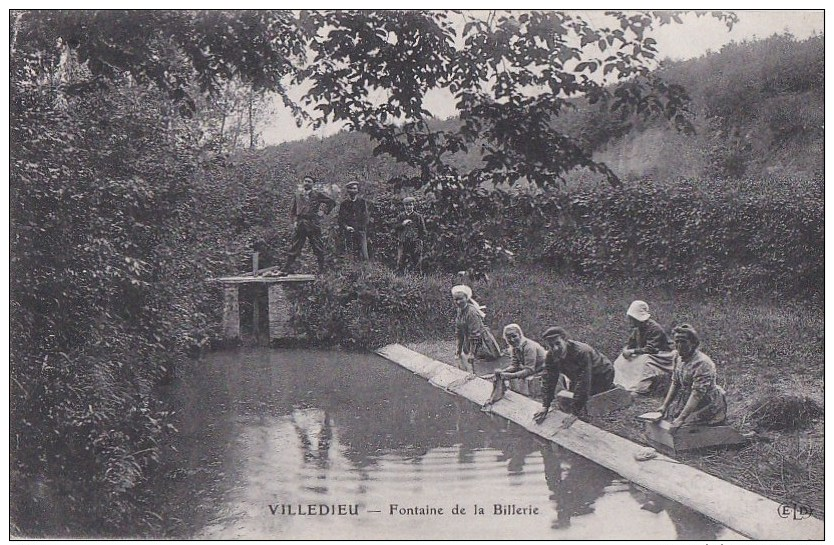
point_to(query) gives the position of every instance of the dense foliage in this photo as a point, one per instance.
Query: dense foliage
(110, 249)
(89, 304)
(703, 236)
(367, 306)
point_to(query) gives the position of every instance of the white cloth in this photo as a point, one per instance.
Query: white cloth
(639, 310)
(639, 373)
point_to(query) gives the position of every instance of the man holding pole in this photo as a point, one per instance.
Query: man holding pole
(353, 223)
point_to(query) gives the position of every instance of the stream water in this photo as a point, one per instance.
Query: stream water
(305, 444)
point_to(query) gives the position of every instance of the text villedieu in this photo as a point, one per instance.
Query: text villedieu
(394, 509)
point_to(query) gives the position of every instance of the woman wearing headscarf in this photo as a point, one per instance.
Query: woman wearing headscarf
(647, 355)
(693, 398)
(473, 337)
(526, 355)
(526, 364)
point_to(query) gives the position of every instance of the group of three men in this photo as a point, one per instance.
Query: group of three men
(310, 205)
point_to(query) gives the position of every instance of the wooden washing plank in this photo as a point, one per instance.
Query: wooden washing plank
(746, 512)
(243, 279)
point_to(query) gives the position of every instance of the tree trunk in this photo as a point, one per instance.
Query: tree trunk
(251, 120)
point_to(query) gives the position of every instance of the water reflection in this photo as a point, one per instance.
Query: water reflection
(305, 427)
(314, 430)
(574, 482)
(688, 525)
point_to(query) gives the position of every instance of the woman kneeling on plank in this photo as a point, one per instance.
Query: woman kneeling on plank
(526, 355)
(647, 355)
(589, 372)
(693, 398)
(473, 337)
(526, 360)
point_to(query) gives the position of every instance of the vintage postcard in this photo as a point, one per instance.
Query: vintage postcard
(417, 274)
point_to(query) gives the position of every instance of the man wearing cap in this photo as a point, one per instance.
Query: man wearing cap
(308, 206)
(648, 353)
(411, 230)
(589, 372)
(353, 222)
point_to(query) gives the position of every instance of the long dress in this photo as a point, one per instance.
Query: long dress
(697, 373)
(653, 358)
(476, 337)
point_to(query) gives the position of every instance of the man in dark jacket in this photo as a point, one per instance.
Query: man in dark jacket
(411, 230)
(590, 372)
(353, 222)
(307, 206)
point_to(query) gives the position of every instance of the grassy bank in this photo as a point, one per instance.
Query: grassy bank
(769, 356)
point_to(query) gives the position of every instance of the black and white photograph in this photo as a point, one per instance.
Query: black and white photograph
(412, 274)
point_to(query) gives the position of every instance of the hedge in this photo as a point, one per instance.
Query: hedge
(704, 235)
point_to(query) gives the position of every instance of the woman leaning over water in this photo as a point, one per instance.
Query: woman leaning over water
(473, 337)
(693, 398)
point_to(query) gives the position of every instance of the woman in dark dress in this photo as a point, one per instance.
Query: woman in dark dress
(647, 355)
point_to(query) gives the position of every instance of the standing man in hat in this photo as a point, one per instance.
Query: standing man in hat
(308, 206)
(589, 372)
(353, 223)
(411, 230)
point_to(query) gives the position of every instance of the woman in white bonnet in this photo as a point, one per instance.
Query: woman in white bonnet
(473, 338)
(647, 354)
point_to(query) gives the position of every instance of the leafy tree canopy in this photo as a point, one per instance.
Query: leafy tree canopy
(510, 73)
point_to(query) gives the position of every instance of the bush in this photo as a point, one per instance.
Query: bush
(368, 306)
(693, 235)
(714, 236)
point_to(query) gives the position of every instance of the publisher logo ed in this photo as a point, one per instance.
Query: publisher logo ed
(794, 511)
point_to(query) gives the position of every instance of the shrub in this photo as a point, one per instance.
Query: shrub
(694, 235)
(713, 236)
(367, 306)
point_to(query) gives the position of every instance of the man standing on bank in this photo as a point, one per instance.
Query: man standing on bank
(589, 372)
(411, 229)
(353, 222)
(308, 206)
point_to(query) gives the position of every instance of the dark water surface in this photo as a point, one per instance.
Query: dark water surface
(283, 430)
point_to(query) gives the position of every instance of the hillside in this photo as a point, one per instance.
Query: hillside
(757, 107)
(759, 112)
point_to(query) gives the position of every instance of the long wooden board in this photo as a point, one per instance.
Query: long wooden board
(746, 512)
(249, 278)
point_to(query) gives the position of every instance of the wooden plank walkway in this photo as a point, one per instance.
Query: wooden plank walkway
(741, 510)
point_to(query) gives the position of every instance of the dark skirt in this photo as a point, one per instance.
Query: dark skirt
(483, 347)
